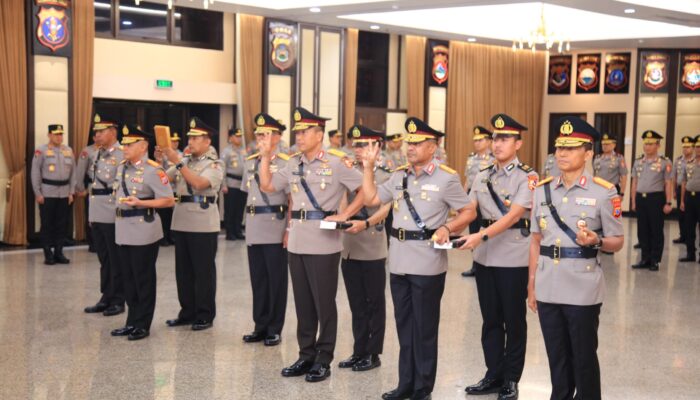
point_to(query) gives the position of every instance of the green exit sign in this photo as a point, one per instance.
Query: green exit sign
(164, 84)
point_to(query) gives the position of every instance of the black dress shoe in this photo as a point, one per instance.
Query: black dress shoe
(123, 331)
(230, 237)
(654, 266)
(349, 362)
(97, 308)
(299, 368)
(678, 240)
(421, 395)
(201, 325)
(272, 340)
(637, 246)
(485, 386)
(468, 274)
(509, 391)
(254, 337)
(641, 265)
(178, 322)
(114, 309)
(397, 394)
(138, 334)
(60, 258)
(687, 259)
(48, 256)
(239, 235)
(367, 363)
(319, 372)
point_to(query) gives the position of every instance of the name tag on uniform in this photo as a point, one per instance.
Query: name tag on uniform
(430, 188)
(584, 201)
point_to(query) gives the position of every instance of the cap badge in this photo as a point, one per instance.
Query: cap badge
(261, 121)
(356, 132)
(476, 131)
(412, 128)
(297, 116)
(566, 128)
(193, 123)
(499, 123)
(97, 118)
(125, 130)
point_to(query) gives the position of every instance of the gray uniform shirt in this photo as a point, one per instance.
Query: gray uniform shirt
(196, 217)
(55, 163)
(264, 228)
(234, 160)
(575, 281)
(395, 158)
(513, 185)
(83, 168)
(679, 168)
(691, 177)
(143, 179)
(369, 244)
(328, 177)
(610, 167)
(434, 192)
(475, 163)
(550, 167)
(105, 172)
(651, 174)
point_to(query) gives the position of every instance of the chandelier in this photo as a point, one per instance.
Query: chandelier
(542, 36)
(205, 3)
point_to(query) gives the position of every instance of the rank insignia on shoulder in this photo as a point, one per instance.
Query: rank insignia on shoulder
(122, 162)
(486, 167)
(447, 169)
(525, 167)
(298, 153)
(602, 182)
(153, 164)
(402, 167)
(337, 153)
(283, 156)
(252, 156)
(544, 181)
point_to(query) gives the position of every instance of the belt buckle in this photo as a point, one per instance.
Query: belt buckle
(556, 253)
(119, 212)
(644, 195)
(302, 215)
(402, 235)
(692, 194)
(251, 209)
(178, 198)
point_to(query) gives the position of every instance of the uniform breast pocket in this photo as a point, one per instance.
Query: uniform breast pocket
(586, 220)
(585, 266)
(320, 181)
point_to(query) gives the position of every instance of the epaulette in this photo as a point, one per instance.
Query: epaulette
(447, 169)
(665, 158)
(252, 156)
(283, 156)
(525, 167)
(602, 182)
(402, 167)
(384, 168)
(298, 153)
(337, 153)
(153, 164)
(543, 181)
(472, 154)
(122, 161)
(640, 157)
(486, 167)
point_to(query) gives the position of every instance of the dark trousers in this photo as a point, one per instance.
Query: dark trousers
(234, 205)
(571, 339)
(315, 283)
(388, 223)
(166, 220)
(474, 227)
(88, 228)
(54, 219)
(365, 283)
(691, 219)
(650, 225)
(502, 294)
(417, 313)
(195, 273)
(268, 277)
(682, 226)
(111, 280)
(138, 265)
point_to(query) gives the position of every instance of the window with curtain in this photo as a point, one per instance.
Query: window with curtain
(372, 69)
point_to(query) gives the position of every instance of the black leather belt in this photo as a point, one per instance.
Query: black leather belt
(100, 192)
(556, 252)
(304, 215)
(196, 199)
(232, 176)
(403, 234)
(137, 212)
(54, 182)
(252, 210)
(522, 223)
(645, 195)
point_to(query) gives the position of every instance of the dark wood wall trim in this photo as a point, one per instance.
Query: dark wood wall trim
(29, 151)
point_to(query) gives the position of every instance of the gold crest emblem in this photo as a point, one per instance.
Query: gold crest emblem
(648, 135)
(97, 118)
(193, 123)
(499, 123)
(125, 130)
(297, 116)
(476, 131)
(605, 136)
(566, 128)
(356, 132)
(260, 121)
(412, 128)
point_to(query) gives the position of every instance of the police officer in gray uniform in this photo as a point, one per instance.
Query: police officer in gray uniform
(53, 180)
(550, 167)
(196, 224)
(610, 165)
(503, 194)
(233, 157)
(141, 187)
(573, 216)
(690, 195)
(317, 179)
(688, 157)
(476, 161)
(83, 173)
(266, 224)
(166, 213)
(362, 262)
(652, 193)
(102, 215)
(422, 195)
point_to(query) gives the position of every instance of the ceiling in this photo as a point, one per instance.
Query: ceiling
(588, 24)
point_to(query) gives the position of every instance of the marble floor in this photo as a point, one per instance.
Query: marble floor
(49, 349)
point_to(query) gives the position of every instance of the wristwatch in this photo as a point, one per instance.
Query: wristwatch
(484, 238)
(598, 245)
(179, 165)
(367, 224)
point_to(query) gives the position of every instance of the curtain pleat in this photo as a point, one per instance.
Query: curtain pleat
(415, 75)
(350, 70)
(251, 64)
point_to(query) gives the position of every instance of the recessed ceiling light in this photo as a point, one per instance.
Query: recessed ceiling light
(374, 27)
(127, 23)
(471, 39)
(641, 40)
(315, 9)
(395, 7)
(630, 11)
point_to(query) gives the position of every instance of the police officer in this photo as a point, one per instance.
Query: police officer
(679, 164)
(610, 165)
(502, 192)
(573, 216)
(690, 195)
(550, 167)
(422, 194)
(140, 188)
(317, 179)
(440, 153)
(53, 182)
(83, 173)
(266, 224)
(362, 261)
(652, 193)
(102, 215)
(196, 225)
(479, 159)
(166, 213)
(395, 154)
(335, 140)
(233, 157)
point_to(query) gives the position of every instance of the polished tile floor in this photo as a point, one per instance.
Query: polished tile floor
(50, 349)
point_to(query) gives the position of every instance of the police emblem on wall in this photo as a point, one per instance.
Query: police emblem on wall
(617, 66)
(282, 48)
(654, 72)
(690, 73)
(52, 27)
(438, 61)
(559, 75)
(587, 73)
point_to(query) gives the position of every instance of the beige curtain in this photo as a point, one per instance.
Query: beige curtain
(13, 117)
(81, 91)
(415, 75)
(486, 80)
(251, 63)
(350, 71)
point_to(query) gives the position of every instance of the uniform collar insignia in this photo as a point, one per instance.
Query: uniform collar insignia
(321, 154)
(430, 168)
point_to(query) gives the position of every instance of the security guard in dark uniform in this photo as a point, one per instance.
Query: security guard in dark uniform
(679, 164)
(233, 157)
(196, 224)
(574, 216)
(266, 224)
(53, 182)
(317, 180)
(141, 187)
(652, 193)
(422, 194)
(690, 193)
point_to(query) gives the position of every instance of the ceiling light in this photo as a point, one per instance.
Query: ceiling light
(315, 10)
(292, 4)
(126, 23)
(374, 27)
(630, 11)
(683, 6)
(471, 39)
